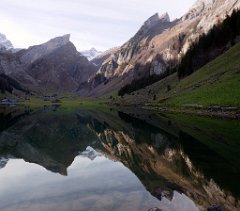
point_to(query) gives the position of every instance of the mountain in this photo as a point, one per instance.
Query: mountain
(5, 44)
(61, 70)
(158, 45)
(212, 89)
(52, 67)
(91, 54)
(33, 53)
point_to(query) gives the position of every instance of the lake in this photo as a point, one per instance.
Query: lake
(57, 159)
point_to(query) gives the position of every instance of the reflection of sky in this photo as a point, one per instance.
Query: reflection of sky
(91, 185)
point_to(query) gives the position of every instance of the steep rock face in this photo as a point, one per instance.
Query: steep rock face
(35, 52)
(108, 67)
(12, 68)
(206, 14)
(55, 66)
(160, 44)
(5, 44)
(126, 60)
(61, 70)
(9, 63)
(153, 26)
(100, 59)
(154, 20)
(199, 7)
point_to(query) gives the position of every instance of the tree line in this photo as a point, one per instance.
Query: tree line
(137, 84)
(209, 46)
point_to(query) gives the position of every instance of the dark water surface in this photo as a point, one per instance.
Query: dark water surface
(109, 160)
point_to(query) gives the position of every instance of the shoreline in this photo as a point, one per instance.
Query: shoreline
(223, 112)
(211, 111)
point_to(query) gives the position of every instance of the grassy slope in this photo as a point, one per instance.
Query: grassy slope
(217, 83)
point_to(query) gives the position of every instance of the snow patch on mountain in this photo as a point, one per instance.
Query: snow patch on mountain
(91, 54)
(5, 44)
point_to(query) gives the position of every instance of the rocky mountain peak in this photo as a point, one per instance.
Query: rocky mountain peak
(35, 52)
(152, 20)
(58, 41)
(164, 17)
(155, 19)
(161, 21)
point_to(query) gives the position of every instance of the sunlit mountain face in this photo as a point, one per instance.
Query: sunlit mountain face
(57, 159)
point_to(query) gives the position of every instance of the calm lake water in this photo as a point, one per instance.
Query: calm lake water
(56, 159)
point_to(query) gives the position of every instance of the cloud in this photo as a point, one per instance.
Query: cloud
(92, 23)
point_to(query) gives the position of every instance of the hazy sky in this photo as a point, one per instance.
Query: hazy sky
(92, 23)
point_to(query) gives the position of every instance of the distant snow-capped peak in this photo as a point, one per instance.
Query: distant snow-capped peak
(91, 54)
(5, 44)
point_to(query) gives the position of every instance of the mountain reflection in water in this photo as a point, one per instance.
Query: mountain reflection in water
(117, 161)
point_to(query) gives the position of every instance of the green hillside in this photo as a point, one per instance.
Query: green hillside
(215, 84)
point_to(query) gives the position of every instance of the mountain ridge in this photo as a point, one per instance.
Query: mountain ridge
(52, 67)
(156, 48)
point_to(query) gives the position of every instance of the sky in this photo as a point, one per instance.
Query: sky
(101, 24)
